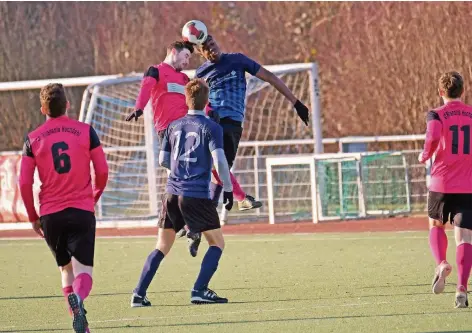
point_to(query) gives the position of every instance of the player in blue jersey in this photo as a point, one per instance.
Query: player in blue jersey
(190, 147)
(225, 75)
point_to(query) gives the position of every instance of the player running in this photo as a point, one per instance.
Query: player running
(225, 74)
(191, 145)
(62, 149)
(450, 191)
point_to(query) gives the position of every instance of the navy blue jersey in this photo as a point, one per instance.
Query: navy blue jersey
(227, 82)
(190, 141)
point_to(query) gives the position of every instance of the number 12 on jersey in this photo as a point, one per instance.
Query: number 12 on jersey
(186, 155)
(455, 139)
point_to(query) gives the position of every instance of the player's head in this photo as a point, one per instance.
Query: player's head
(53, 99)
(451, 85)
(196, 94)
(210, 49)
(178, 54)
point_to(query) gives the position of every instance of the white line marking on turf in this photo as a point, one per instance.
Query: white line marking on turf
(12, 241)
(254, 311)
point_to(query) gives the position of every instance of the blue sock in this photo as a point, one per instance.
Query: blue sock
(215, 193)
(209, 266)
(149, 270)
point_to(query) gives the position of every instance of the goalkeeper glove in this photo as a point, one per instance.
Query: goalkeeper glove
(136, 114)
(302, 111)
(228, 200)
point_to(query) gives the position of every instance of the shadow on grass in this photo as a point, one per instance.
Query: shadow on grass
(11, 298)
(248, 322)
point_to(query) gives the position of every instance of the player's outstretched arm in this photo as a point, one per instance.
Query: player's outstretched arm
(278, 84)
(100, 166)
(433, 136)
(26, 181)
(150, 79)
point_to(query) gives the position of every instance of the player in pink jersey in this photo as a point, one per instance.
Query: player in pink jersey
(62, 150)
(450, 191)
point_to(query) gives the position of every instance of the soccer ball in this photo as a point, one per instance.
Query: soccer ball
(195, 32)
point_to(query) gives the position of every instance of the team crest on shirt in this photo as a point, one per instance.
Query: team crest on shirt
(176, 88)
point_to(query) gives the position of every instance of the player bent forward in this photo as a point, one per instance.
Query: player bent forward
(62, 150)
(189, 146)
(450, 191)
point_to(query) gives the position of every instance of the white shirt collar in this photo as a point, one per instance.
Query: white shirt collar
(196, 112)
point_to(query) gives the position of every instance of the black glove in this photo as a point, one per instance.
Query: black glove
(214, 115)
(302, 111)
(136, 114)
(228, 200)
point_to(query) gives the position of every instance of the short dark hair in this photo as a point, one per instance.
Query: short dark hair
(179, 46)
(196, 94)
(452, 84)
(53, 97)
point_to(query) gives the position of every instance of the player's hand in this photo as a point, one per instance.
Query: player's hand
(214, 115)
(228, 200)
(136, 114)
(37, 228)
(302, 111)
(420, 158)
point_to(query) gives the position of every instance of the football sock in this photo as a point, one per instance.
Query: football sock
(238, 192)
(464, 264)
(149, 270)
(438, 243)
(208, 268)
(66, 291)
(82, 285)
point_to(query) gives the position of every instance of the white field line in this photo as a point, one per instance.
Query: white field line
(223, 313)
(236, 239)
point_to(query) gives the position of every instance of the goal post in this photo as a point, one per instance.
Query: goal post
(337, 186)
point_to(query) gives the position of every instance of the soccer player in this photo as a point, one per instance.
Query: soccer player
(164, 85)
(62, 150)
(448, 136)
(225, 74)
(191, 145)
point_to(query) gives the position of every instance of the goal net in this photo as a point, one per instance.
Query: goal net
(337, 186)
(136, 182)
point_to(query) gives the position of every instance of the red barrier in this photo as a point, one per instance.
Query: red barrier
(11, 205)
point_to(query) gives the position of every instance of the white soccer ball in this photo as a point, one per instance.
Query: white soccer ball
(195, 32)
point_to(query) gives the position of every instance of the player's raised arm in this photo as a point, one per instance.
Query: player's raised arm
(278, 84)
(28, 165)
(100, 166)
(150, 79)
(433, 136)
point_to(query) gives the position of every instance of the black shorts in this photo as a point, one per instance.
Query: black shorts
(198, 214)
(445, 206)
(232, 131)
(70, 233)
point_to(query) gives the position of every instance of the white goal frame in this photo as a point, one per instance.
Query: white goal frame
(310, 160)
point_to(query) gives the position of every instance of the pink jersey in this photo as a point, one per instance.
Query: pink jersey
(165, 86)
(448, 135)
(62, 150)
